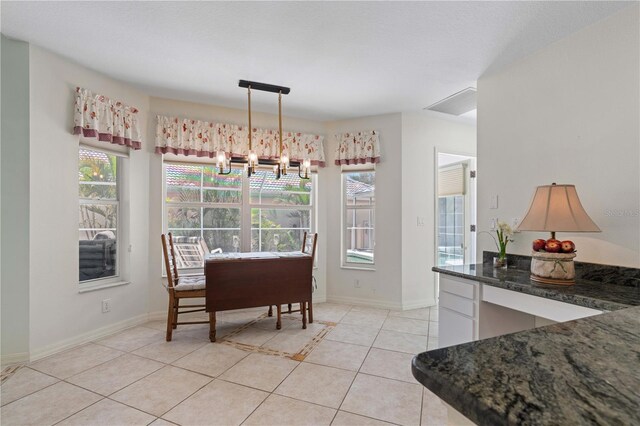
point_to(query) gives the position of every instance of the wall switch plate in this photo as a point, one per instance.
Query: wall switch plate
(106, 306)
(494, 202)
(514, 224)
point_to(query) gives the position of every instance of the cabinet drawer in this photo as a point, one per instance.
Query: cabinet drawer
(459, 287)
(454, 329)
(457, 304)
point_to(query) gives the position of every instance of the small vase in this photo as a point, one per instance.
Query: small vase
(500, 262)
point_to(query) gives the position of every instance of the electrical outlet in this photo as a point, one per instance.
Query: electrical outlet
(514, 224)
(420, 221)
(356, 283)
(106, 306)
(494, 224)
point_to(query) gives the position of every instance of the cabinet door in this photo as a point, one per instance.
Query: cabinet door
(454, 328)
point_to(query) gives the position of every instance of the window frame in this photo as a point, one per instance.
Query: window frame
(245, 207)
(344, 263)
(118, 278)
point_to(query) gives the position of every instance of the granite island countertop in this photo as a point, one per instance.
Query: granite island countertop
(603, 296)
(585, 371)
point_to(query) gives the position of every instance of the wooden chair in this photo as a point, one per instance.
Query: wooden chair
(309, 242)
(181, 288)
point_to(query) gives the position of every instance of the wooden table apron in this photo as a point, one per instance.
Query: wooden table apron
(249, 283)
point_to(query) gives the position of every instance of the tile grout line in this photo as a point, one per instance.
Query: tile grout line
(213, 378)
(358, 372)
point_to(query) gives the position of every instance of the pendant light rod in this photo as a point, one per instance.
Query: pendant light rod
(249, 110)
(280, 120)
(264, 87)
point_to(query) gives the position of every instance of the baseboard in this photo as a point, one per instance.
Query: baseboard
(319, 298)
(420, 303)
(88, 337)
(157, 315)
(16, 358)
(372, 303)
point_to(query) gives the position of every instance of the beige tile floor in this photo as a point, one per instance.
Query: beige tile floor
(359, 374)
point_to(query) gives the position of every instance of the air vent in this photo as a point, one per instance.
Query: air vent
(457, 104)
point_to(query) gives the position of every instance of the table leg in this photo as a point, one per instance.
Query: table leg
(303, 308)
(310, 306)
(289, 307)
(270, 311)
(279, 313)
(212, 326)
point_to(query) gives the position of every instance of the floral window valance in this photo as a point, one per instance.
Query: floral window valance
(183, 136)
(98, 117)
(358, 148)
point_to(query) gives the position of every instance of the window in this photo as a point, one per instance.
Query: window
(99, 214)
(203, 211)
(208, 212)
(451, 230)
(359, 218)
(280, 211)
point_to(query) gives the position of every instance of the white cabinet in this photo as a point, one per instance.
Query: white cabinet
(457, 311)
(471, 311)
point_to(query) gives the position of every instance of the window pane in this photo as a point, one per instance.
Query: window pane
(451, 230)
(278, 229)
(288, 190)
(221, 218)
(221, 196)
(214, 180)
(360, 188)
(360, 235)
(359, 217)
(183, 183)
(97, 241)
(226, 240)
(221, 188)
(97, 175)
(183, 218)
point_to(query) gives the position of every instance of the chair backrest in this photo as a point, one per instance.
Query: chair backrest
(309, 242)
(170, 260)
(190, 254)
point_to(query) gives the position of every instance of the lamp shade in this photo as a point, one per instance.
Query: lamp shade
(557, 208)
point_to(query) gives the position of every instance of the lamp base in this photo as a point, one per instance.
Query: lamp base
(553, 268)
(555, 281)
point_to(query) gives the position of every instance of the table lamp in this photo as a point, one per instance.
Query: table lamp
(555, 208)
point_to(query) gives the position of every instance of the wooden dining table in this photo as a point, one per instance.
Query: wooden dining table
(249, 280)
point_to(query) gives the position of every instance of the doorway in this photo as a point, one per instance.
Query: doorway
(455, 205)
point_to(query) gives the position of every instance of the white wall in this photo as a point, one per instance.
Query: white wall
(15, 200)
(56, 315)
(382, 287)
(569, 113)
(422, 133)
(59, 314)
(169, 107)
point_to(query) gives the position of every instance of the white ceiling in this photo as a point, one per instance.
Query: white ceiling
(341, 59)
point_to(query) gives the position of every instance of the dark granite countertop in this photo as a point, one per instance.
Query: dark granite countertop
(585, 371)
(605, 296)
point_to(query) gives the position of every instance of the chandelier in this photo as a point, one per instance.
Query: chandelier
(280, 165)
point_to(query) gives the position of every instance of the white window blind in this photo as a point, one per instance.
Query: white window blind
(451, 180)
